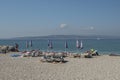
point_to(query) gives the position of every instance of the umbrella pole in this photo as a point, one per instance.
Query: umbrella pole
(77, 50)
(65, 50)
(48, 49)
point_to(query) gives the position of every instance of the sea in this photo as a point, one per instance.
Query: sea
(103, 46)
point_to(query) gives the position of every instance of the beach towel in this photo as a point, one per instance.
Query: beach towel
(15, 55)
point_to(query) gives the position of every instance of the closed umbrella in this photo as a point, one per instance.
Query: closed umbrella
(66, 45)
(30, 44)
(77, 44)
(81, 45)
(50, 46)
(27, 44)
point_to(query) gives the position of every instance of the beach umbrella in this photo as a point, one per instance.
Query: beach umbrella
(30, 43)
(50, 45)
(77, 44)
(81, 45)
(66, 45)
(27, 44)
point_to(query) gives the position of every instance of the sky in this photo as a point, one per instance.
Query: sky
(20, 18)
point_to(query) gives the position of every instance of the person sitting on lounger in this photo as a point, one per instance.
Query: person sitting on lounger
(94, 52)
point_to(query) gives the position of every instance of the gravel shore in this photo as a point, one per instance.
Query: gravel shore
(102, 67)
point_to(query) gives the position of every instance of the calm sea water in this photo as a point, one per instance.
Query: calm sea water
(104, 46)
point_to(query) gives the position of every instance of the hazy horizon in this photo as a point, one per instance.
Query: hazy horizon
(60, 36)
(22, 18)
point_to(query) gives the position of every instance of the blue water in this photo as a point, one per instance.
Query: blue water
(104, 46)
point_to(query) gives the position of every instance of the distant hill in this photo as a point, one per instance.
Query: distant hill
(68, 37)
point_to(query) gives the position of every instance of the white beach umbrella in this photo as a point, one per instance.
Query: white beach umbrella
(81, 45)
(27, 44)
(30, 43)
(77, 44)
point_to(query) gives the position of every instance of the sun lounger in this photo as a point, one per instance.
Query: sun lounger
(114, 54)
(50, 57)
(75, 55)
(88, 55)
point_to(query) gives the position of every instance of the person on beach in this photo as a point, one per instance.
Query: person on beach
(16, 47)
(94, 52)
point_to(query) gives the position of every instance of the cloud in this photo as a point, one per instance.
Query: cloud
(63, 26)
(87, 28)
(91, 28)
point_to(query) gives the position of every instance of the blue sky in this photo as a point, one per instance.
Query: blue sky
(20, 18)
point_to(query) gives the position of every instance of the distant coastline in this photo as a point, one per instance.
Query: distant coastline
(98, 37)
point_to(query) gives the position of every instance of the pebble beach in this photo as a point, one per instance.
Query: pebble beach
(102, 67)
